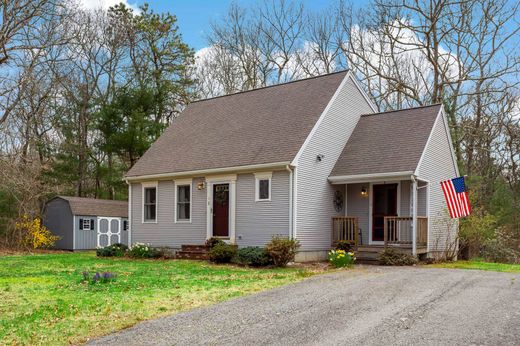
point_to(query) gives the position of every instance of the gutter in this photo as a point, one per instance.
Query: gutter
(361, 178)
(201, 172)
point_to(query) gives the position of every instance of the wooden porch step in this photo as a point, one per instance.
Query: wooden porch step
(193, 252)
(192, 255)
(200, 248)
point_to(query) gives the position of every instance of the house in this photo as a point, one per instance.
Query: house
(309, 159)
(86, 223)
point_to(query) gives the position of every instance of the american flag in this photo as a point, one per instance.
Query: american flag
(456, 197)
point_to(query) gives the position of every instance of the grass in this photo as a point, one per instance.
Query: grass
(44, 301)
(478, 264)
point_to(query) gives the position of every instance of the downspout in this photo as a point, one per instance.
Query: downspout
(414, 215)
(288, 168)
(129, 221)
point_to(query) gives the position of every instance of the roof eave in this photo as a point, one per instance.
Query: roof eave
(211, 171)
(370, 177)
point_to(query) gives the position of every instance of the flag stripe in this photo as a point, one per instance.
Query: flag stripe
(456, 197)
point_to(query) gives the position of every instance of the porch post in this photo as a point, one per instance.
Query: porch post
(414, 216)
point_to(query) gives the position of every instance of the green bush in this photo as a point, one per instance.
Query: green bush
(344, 245)
(341, 258)
(253, 256)
(222, 253)
(211, 242)
(139, 250)
(114, 250)
(504, 248)
(390, 257)
(282, 250)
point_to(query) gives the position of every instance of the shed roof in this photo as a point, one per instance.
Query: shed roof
(387, 142)
(96, 207)
(261, 126)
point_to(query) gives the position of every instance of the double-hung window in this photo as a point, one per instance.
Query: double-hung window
(150, 203)
(263, 186)
(183, 201)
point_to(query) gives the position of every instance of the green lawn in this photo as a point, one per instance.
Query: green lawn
(43, 301)
(480, 265)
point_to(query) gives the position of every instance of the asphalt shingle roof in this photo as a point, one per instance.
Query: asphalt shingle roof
(266, 125)
(97, 207)
(387, 142)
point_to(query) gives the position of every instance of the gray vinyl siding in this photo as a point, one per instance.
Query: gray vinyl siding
(315, 207)
(422, 199)
(166, 232)
(357, 206)
(87, 239)
(437, 165)
(258, 222)
(57, 217)
(405, 198)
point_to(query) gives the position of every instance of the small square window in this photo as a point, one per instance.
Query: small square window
(86, 224)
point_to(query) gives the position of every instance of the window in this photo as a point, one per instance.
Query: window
(86, 224)
(183, 201)
(150, 203)
(263, 186)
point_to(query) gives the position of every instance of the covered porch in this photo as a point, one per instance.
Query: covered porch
(381, 212)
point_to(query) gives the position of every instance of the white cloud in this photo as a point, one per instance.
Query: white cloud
(105, 4)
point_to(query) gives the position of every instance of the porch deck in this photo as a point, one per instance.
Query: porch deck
(398, 235)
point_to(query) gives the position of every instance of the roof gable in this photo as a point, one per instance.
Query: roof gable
(96, 207)
(267, 125)
(387, 142)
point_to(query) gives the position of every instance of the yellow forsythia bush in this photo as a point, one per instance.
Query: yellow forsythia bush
(35, 235)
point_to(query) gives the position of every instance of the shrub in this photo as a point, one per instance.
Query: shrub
(390, 257)
(344, 245)
(114, 250)
(35, 235)
(282, 250)
(253, 256)
(101, 278)
(222, 253)
(504, 248)
(211, 242)
(139, 250)
(341, 258)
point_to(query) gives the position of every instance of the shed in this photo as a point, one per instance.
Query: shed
(86, 223)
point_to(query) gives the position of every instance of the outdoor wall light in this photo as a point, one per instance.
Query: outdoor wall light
(364, 191)
(320, 157)
(201, 185)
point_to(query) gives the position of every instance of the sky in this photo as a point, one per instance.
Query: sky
(194, 16)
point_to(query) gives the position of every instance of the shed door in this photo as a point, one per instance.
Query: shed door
(109, 231)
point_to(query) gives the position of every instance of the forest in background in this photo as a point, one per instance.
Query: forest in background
(83, 93)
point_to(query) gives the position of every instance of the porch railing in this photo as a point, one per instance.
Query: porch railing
(345, 229)
(398, 230)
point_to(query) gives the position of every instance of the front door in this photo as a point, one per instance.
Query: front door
(221, 210)
(384, 204)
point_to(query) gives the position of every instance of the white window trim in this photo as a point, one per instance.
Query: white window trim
(263, 176)
(89, 224)
(183, 182)
(143, 187)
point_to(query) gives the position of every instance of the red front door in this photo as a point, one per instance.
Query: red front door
(384, 204)
(221, 210)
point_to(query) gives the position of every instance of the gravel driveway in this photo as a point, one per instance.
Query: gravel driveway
(367, 306)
